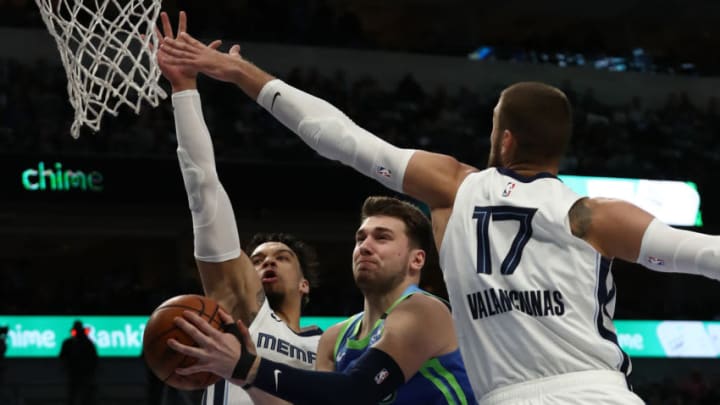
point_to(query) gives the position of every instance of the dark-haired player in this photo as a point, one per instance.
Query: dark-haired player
(267, 288)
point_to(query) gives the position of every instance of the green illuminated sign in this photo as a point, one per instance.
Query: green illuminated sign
(59, 179)
(673, 202)
(114, 336)
(121, 336)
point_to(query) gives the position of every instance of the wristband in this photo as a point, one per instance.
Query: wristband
(246, 360)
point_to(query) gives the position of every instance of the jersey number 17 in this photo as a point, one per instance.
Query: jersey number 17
(502, 213)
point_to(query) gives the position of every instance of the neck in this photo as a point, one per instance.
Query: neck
(377, 303)
(290, 314)
(529, 169)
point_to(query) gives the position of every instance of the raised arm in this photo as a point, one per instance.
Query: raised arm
(226, 272)
(616, 228)
(429, 177)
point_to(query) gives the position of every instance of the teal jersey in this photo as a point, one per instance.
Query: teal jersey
(440, 380)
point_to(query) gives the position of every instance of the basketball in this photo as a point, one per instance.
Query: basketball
(163, 360)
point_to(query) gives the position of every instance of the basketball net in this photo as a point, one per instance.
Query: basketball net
(108, 50)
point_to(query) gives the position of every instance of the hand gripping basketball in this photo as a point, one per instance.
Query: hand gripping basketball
(216, 352)
(161, 358)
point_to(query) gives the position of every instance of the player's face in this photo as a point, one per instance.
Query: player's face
(382, 254)
(494, 160)
(279, 269)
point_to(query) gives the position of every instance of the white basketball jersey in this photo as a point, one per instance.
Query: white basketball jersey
(529, 299)
(274, 341)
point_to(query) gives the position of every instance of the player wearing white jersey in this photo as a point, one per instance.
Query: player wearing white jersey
(267, 289)
(524, 257)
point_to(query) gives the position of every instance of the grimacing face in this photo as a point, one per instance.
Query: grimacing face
(382, 255)
(279, 270)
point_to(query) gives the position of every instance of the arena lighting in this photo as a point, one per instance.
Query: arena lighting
(673, 202)
(121, 336)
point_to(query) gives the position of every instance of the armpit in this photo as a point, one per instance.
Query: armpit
(580, 217)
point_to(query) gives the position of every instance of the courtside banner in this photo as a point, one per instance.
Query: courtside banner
(121, 336)
(114, 336)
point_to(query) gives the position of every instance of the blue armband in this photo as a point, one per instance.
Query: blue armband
(375, 376)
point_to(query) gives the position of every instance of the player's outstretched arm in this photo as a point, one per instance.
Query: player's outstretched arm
(620, 229)
(432, 178)
(227, 274)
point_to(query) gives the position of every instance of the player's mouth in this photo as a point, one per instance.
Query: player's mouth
(269, 276)
(364, 264)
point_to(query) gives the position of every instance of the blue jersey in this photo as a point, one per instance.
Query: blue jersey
(440, 380)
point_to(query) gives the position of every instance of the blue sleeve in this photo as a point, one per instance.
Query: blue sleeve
(374, 376)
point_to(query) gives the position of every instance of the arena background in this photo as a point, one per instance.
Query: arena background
(643, 76)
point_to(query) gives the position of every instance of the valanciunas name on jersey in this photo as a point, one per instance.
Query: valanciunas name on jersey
(489, 302)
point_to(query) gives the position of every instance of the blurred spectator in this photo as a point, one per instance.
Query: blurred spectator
(79, 357)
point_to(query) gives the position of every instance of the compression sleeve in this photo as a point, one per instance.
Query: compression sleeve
(668, 249)
(335, 136)
(214, 226)
(375, 376)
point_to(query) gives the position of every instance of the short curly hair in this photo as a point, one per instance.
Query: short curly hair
(306, 254)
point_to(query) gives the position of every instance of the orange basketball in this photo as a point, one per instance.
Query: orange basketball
(163, 360)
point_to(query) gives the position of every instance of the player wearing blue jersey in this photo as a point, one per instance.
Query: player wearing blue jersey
(402, 349)
(524, 258)
(267, 288)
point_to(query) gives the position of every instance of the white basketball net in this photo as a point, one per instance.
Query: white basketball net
(108, 50)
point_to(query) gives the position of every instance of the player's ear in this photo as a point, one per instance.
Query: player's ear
(508, 144)
(417, 261)
(304, 286)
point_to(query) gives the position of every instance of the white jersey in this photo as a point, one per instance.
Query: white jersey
(274, 341)
(529, 299)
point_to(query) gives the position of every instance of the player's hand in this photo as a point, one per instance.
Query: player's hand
(189, 53)
(216, 352)
(181, 77)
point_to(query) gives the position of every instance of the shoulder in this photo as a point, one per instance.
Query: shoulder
(329, 339)
(420, 309)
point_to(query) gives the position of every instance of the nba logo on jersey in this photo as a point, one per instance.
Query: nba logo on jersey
(508, 189)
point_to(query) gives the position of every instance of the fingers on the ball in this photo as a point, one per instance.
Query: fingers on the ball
(177, 346)
(225, 317)
(202, 324)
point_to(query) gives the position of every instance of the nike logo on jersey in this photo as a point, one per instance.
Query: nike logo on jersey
(277, 378)
(277, 94)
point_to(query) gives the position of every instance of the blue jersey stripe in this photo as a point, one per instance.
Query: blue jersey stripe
(604, 297)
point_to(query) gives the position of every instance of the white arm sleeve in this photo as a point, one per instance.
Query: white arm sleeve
(333, 135)
(668, 249)
(215, 230)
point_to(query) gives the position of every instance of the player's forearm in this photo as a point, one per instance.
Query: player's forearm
(216, 236)
(333, 135)
(250, 78)
(183, 85)
(673, 250)
(375, 376)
